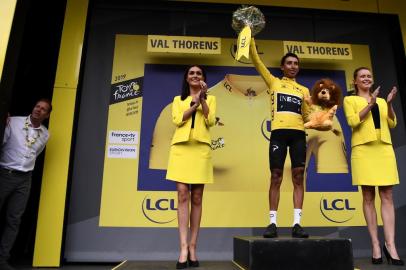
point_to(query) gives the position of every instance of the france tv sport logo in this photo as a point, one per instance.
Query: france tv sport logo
(159, 210)
(337, 210)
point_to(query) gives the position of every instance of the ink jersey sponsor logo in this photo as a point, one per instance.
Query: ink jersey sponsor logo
(159, 210)
(288, 103)
(337, 210)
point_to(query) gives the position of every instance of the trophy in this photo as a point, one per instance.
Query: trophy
(247, 21)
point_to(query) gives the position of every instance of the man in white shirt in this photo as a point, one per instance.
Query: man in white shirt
(24, 139)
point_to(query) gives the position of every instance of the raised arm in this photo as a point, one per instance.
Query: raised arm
(260, 67)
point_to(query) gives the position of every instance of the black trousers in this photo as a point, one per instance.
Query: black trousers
(14, 192)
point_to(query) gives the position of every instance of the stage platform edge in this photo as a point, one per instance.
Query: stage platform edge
(287, 253)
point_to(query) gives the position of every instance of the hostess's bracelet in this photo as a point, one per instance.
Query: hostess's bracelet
(247, 21)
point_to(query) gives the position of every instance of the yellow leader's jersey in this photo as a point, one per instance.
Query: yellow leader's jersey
(288, 108)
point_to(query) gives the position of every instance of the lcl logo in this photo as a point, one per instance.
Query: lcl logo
(337, 210)
(160, 211)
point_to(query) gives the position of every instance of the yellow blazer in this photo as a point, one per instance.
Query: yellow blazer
(364, 131)
(201, 127)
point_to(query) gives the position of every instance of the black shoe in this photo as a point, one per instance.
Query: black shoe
(5, 266)
(271, 231)
(298, 232)
(390, 259)
(376, 260)
(181, 265)
(192, 263)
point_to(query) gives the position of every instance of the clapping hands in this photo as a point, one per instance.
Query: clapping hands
(196, 100)
(374, 95)
(203, 90)
(392, 94)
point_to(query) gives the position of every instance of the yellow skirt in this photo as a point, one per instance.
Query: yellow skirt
(190, 162)
(374, 164)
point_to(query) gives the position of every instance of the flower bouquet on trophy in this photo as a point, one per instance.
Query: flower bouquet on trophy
(247, 22)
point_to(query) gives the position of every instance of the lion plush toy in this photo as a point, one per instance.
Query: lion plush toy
(325, 98)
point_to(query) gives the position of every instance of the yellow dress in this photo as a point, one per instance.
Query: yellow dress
(190, 159)
(190, 162)
(373, 161)
(374, 164)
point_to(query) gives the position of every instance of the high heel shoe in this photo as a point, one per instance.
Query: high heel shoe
(376, 260)
(192, 263)
(390, 259)
(181, 265)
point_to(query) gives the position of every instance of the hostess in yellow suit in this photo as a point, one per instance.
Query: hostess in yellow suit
(373, 160)
(190, 154)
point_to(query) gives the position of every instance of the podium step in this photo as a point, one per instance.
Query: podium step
(286, 253)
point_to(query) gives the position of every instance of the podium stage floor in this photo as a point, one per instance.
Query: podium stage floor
(360, 263)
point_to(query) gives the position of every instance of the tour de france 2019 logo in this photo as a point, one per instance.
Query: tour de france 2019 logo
(337, 210)
(158, 209)
(126, 90)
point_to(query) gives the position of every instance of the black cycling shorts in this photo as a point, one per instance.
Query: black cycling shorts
(281, 139)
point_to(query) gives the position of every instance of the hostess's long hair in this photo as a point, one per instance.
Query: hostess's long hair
(185, 85)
